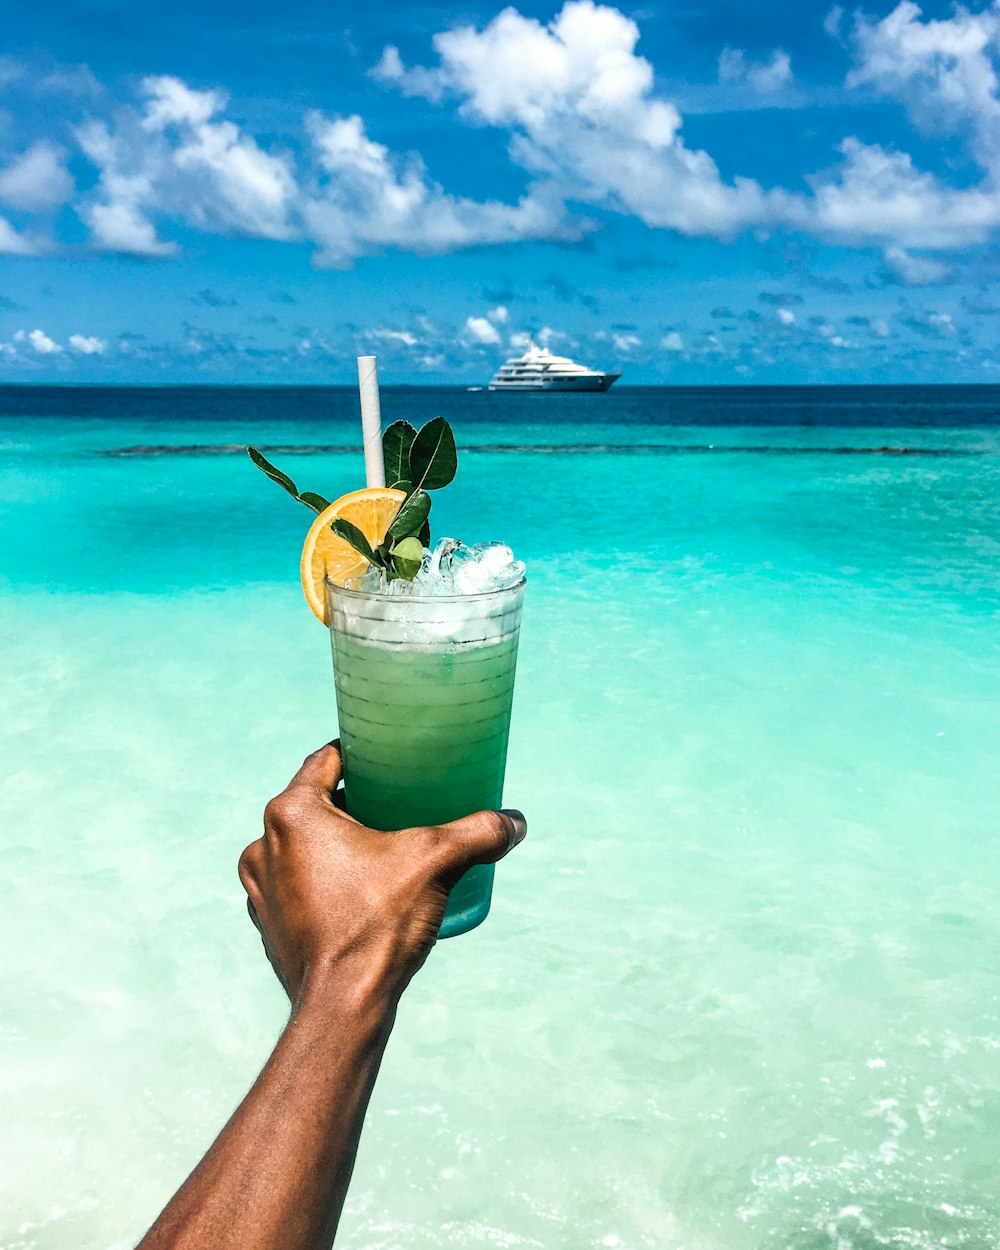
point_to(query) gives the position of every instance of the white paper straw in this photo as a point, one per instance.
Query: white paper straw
(371, 421)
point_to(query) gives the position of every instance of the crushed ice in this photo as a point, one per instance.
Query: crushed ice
(450, 569)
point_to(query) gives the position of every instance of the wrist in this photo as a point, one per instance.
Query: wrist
(334, 991)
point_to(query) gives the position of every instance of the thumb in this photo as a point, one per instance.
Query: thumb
(322, 770)
(483, 837)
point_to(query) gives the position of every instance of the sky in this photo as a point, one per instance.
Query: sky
(694, 192)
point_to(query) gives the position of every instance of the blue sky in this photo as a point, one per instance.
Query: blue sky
(696, 192)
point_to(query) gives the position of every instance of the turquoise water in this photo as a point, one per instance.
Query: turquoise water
(739, 990)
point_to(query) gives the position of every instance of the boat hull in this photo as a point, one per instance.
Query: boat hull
(589, 382)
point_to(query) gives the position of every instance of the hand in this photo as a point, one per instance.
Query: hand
(347, 915)
(337, 902)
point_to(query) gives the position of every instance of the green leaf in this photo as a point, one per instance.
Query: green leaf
(351, 534)
(406, 570)
(424, 534)
(308, 497)
(276, 475)
(396, 443)
(314, 501)
(411, 516)
(407, 555)
(404, 485)
(433, 457)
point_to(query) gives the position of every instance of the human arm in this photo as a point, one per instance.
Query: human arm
(347, 916)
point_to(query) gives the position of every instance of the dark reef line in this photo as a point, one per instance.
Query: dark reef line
(662, 449)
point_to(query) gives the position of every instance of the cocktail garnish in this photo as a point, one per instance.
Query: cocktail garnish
(416, 461)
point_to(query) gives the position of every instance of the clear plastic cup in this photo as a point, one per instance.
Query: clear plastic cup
(424, 691)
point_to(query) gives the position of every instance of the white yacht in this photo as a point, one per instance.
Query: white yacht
(539, 370)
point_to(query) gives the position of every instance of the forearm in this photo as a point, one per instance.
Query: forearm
(277, 1175)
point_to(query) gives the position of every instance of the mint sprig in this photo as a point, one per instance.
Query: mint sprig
(416, 461)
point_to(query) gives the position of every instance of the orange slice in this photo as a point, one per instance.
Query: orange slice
(326, 555)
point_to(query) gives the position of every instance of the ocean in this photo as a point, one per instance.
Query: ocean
(740, 988)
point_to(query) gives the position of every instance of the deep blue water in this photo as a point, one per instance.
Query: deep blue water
(911, 407)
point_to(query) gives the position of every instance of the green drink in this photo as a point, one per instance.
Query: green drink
(424, 641)
(424, 690)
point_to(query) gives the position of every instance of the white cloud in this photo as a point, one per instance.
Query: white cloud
(479, 330)
(14, 244)
(38, 178)
(406, 337)
(943, 324)
(412, 82)
(121, 225)
(626, 343)
(72, 80)
(522, 339)
(368, 199)
(879, 327)
(942, 71)
(173, 103)
(88, 345)
(585, 119)
(878, 196)
(732, 65)
(911, 270)
(585, 124)
(931, 324)
(171, 159)
(764, 76)
(672, 342)
(176, 157)
(786, 316)
(39, 340)
(499, 315)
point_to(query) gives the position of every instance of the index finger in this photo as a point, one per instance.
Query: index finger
(322, 770)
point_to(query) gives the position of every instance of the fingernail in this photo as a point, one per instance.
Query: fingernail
(520, 825)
